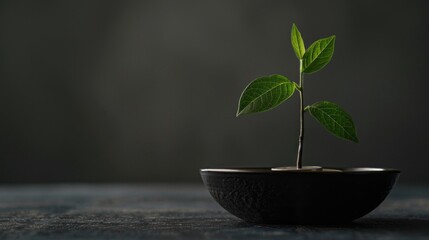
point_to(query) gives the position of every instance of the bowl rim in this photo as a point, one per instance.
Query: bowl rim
(250, 170)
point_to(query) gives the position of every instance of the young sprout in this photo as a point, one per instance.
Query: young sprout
(267, 92)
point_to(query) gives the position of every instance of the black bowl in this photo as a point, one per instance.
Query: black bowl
(260, 195)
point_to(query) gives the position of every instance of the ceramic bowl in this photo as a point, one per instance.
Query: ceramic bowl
(261, 195)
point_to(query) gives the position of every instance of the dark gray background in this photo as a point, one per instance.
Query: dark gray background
(147, 90)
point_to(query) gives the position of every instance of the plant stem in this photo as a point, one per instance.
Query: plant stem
(301, 120)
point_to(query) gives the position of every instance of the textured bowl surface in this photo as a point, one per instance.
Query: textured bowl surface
(260, 195)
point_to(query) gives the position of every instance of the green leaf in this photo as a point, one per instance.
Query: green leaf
(334, 119)
(265, 93)
(318, 55)
(297, 42)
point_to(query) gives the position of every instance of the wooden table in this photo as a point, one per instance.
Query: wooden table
(181, 212)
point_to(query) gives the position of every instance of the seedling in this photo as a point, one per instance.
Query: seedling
(267, 92)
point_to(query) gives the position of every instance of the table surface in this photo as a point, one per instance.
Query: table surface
(123, 211)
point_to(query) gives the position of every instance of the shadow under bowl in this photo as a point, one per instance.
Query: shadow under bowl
(260, 195)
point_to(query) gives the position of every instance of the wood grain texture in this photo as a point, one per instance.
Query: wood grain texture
(181, 212)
